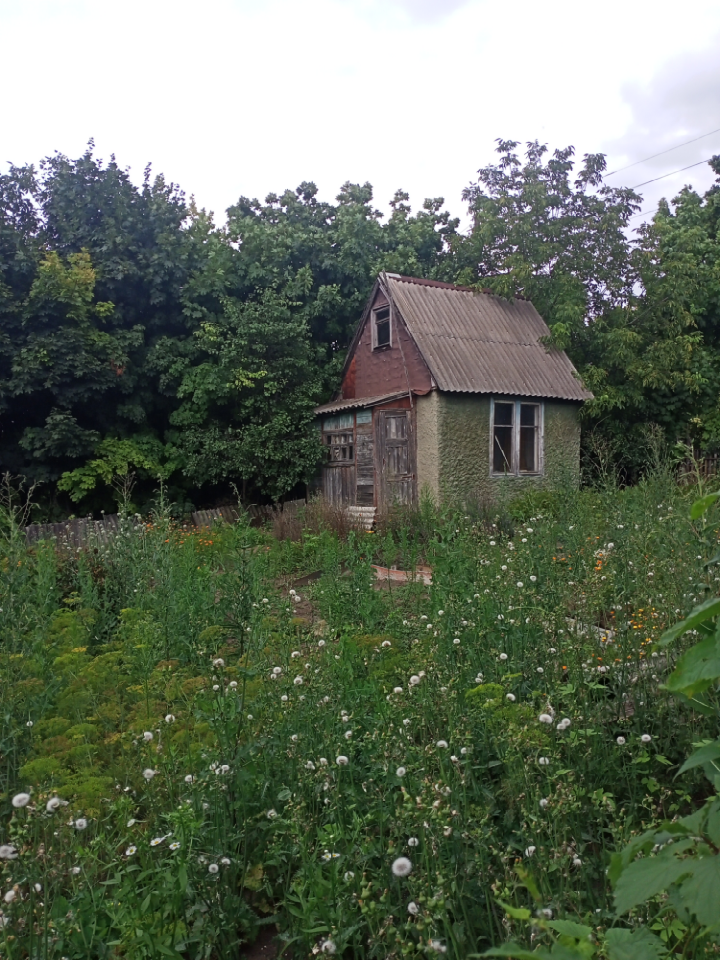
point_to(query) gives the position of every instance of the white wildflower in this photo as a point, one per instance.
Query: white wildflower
(529, 851)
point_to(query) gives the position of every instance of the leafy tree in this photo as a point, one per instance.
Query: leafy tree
(246, 400)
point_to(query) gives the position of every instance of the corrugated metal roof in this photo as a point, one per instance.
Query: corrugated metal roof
(481, 343)
(337, 405)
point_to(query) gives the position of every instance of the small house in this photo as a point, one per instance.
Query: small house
(449, 390)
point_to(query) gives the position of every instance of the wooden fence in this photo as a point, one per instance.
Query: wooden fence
(78, 532)
(706, 467)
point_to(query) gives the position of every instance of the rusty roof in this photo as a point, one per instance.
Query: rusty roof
(481, 343)
(337, 406)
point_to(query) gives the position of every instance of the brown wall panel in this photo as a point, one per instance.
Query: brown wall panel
(372, 373)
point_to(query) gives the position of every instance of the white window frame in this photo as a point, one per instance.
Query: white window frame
(515, 426)
(373, 323)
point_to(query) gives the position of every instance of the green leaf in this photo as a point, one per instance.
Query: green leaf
(697, 669)
(514, 950)
(707, 610)
(701, 892)
(711, 751)
(517, 913)
(568, 928)
(638, 944)
(644, 879)
(713, 560)
(702, 505)
(284, 794)
(529, 882)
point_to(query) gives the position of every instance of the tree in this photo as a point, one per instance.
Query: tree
(634, 316)
(247, 398)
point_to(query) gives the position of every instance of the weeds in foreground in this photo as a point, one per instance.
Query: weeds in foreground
(196, 754)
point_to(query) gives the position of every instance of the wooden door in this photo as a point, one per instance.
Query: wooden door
(396, 456)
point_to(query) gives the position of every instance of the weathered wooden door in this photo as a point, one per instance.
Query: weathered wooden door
(396, 456)
(339, 472)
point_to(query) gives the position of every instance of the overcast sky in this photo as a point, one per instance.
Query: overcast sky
(244, 97)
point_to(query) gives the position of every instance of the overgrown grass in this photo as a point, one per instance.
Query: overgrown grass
(193, 717)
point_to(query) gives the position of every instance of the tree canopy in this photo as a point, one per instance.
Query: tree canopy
(138, 335)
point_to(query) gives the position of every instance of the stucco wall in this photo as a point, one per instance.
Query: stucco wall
(427, 412)
(463, 431)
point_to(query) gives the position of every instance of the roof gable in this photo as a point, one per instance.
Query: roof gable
(481, 343)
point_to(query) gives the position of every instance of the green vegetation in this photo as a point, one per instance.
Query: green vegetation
(200, 741)
(138, 335)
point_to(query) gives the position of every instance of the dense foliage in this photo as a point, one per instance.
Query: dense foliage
(137, 335)
(202, 740)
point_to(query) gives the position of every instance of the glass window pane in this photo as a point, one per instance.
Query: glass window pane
(527, 449)
(382, 336)
(528, 414)
(504, 414)
(502, 449)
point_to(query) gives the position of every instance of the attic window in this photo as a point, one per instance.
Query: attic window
(516, 438)
(381, 328)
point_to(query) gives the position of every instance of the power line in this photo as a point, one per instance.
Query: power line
(662, 152)
(655, 179)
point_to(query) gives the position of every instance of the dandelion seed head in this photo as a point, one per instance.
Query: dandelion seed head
(8, 852)
(545, 718)
(213, 868)
(342, 761)
(328, 946)
(646, 738)
(503, 656)
(401, 867)
(620, 741)
(400, 772)
(529, 851)
(413, 908)
(148, 736)
(169, 718)
(9, 896)
(81, 823)
(442, 744)
(511, 697)
(543, 803)
(20, 800)
(149, 773)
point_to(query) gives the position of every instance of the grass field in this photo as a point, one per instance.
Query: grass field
(217, 745)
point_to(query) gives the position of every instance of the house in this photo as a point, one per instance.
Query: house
(450, 390)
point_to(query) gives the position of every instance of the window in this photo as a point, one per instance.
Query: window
(516, 437)
(381, 328)
(340, 446)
